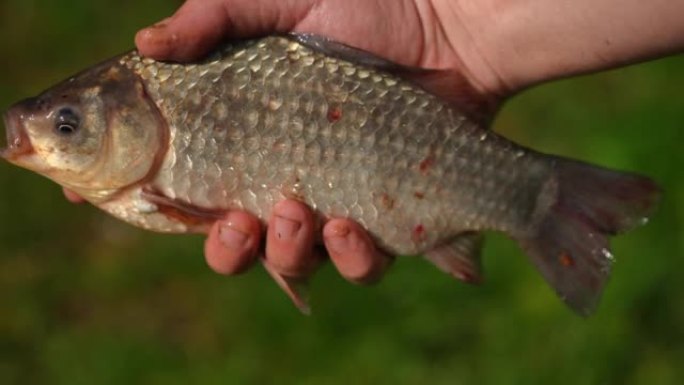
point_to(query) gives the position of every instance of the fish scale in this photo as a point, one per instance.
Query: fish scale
(172, 147)
(379, 115)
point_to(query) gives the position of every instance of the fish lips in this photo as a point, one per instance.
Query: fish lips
(18, 142)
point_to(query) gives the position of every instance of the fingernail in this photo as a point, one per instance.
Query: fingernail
(232, 238)
(339, 240)
(340, 231)
(286, 228)
(160, 24)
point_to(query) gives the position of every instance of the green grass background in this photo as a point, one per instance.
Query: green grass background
(85, 299)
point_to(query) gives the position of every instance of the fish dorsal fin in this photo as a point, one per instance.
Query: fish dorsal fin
(460, 257)
(348, 53)
(448, 85)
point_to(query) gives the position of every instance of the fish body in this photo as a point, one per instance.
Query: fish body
(171, 147)
(272, 119)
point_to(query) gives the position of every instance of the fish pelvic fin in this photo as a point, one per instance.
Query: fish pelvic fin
(295, 288)
(569, 242)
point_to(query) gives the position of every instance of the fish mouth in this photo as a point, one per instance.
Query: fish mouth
(17, 141)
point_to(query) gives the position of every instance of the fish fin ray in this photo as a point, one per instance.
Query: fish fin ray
(460, 257)
(181, 211)
(348, 53)
(295, 288)
(570, 242)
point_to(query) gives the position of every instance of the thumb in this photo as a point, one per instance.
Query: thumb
(199, 25)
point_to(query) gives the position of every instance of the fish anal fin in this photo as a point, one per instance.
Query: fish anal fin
(460, 257)
(450, 86)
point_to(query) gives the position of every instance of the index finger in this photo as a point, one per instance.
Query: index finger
(199, 25)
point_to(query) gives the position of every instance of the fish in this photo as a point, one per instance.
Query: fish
(171, 147)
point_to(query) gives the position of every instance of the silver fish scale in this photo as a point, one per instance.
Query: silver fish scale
(272, 119)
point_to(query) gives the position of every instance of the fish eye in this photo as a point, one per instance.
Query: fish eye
(66, 122)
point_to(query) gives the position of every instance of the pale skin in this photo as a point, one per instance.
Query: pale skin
(498, 47)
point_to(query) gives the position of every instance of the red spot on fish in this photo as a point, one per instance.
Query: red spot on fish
(387, 201)
(566, 260)
(334, 114)
(418, 234)
(419, 195)
(426, 164)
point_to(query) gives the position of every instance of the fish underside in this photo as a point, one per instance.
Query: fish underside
(172, 147)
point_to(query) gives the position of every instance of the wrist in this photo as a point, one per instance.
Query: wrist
(469, 29)
(509, 45)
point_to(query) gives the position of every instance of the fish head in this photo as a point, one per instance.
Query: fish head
(95, 133)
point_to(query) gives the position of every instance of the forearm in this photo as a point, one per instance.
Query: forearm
(518, 43)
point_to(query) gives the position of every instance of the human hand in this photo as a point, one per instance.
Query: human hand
(497, 48)
(233, 244)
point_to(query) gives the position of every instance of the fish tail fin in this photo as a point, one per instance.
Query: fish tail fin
(569, 244)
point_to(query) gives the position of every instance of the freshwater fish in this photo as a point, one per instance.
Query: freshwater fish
(171, 147)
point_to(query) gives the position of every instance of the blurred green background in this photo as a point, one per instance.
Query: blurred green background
(85, 299)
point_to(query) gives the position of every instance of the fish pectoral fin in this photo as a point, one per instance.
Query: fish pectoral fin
(448, 85)
(460, 257)
(295, 288)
